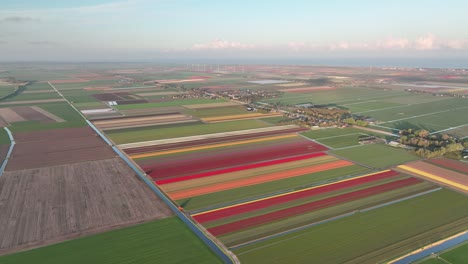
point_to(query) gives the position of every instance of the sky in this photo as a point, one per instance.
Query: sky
(132, 30)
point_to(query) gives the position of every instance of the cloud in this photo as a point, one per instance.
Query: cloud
(392, 43)
(18, 19)
(428, 42)
(219, 44)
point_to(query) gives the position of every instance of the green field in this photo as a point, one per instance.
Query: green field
(433, 122)
(81, 85)
(219, 111)
(183, 130)
(371, 105)
(6, 90)
(370, 237)
(418, 109)
(163, 241)
(4, 139)
(248, 192)
(32, 96)
(170, 103)
(339, 137)
(376, 155)
(457, 255)
(341, 96)
(63, 110)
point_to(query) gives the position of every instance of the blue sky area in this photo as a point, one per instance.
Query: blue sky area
(144, 29)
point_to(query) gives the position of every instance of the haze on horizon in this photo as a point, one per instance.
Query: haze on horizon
(120, 30)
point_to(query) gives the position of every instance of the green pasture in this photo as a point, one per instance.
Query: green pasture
(162, 241)
(376, 155)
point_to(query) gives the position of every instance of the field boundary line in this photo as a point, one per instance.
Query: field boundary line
(433, 113)
(10, 150)
(315, 141)
(219, 249)
(447, 129)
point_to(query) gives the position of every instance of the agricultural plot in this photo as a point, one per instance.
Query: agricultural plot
(53, 209)
(138, 243)
(57, 147)
(376, 155)
(181, 130)
(164, 167)
(208, 139)
(142, 121)
(371, 236)
(448, 178)
(337, 138)
(181, 102)
(239, 117)
(345, 95)
(451, 164)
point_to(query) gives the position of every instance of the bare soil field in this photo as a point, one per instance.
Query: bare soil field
(57, 147)
(141, 121)
(10, 116)
(3, 123)
(38, 160)
(55, 134)
(48, 114)
(53, 204)
(31, 114)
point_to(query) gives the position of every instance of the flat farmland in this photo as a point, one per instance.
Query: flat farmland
(62, 146)
(182, 130)
(442, 176)
(53, 209)
(434, 121)
(238, 195)
(60, 111)
(368, 237)
(142, 121)
(208, 140)
(376, 155)
(137, 243)
(341, 96)
(418, 109)
(338, 137)
(170, 103)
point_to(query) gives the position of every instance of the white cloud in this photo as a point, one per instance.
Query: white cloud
(219, 44)
(427, 42)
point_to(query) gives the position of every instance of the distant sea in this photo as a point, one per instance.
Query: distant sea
(444, 63)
